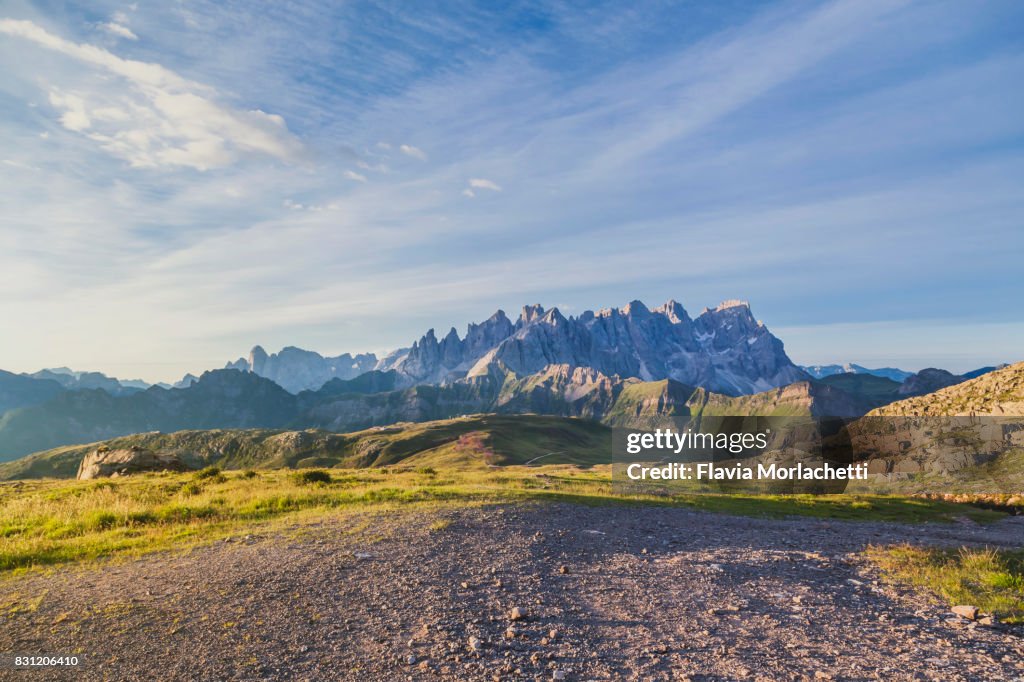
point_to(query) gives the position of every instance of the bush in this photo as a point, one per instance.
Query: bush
(249, 473)
(427, 471)
(311, 476)
(209, 472)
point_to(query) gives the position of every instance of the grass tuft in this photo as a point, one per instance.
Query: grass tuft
(990, 579)
(311, 476)
(211, 475)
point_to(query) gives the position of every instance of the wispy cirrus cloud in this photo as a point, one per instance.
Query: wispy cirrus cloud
(414, 152)
(154, 117)
(702, 156)
(480, 183)
(119, 30)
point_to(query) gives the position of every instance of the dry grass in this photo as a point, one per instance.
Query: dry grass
(991, 579)
(49, 522)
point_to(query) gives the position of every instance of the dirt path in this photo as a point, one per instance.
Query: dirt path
(606, 593)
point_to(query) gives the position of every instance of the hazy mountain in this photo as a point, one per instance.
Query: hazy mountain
(975, 373)
(186, 381)
(874, 390)
(73, 380)
(295, 369)
(822, 371)
(222, 399)
(928, 381)
(1000, 392)
(19, 390)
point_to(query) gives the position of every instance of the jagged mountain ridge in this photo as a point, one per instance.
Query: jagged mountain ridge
(235, 399)
(724, 349)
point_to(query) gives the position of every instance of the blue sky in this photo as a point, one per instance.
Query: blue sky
(182, 180)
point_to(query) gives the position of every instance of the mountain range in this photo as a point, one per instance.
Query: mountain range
(724, 349)
(232, 399)
(615, 366)
(490, 439)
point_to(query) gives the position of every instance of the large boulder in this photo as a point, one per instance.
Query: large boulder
(105, 462)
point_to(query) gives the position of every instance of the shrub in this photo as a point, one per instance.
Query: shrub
(249, 473)
(311, 476)
(210, 472)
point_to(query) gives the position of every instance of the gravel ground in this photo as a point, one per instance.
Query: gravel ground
(517, 593)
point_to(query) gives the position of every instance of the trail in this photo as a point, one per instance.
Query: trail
(658, 594)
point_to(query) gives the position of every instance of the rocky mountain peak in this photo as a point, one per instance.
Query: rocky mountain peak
(635, 309)
(673, 311)
(553, 317)
(530, 314)
(257, 359)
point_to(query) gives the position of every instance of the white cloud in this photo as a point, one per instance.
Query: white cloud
(414, 152)
(484, 183)
(120, 30)
(170, 121)
(352, 175)
(375, 167)
(74, 116)
(468, 193)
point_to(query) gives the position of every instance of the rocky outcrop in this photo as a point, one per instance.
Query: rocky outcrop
(104, 462)
(803, 398)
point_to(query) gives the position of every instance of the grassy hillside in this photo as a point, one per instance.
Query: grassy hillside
(480, 440)
(51, 522)
(801, 399)
(999, 393)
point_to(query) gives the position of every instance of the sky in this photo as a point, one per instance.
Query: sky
(182, 180)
